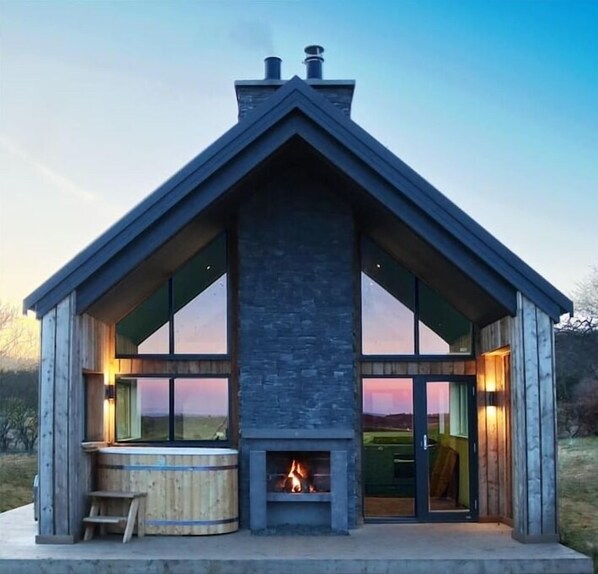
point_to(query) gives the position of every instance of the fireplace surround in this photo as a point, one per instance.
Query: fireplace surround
(320, 500)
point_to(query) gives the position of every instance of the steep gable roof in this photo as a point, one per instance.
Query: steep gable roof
(296, 110)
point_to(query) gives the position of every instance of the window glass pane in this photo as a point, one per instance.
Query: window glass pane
(201, 325)
(201, 409)
(442, 329)
(387, 304)
(448, 452)
(145, 329)
(389, 454)
(142, 408)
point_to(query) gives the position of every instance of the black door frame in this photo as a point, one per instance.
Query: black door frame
(422, 512)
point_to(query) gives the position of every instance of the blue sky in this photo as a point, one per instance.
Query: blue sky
(493, 102)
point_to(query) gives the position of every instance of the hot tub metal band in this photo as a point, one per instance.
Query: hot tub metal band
(190, 522)
(167, 467)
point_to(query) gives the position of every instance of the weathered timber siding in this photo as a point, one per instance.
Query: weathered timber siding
(495, 336)
(533, 425)
(402, 368)
(70, 344)
(494, 435)
(171, 367)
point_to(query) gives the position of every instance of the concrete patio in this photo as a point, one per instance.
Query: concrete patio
(372, 549)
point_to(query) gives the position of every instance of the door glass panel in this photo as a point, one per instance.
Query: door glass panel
(447, 446)
(389, 455)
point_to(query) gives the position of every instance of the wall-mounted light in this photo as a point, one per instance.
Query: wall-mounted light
(490, 398)
(109, 392)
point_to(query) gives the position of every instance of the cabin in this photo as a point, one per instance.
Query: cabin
(298, 332)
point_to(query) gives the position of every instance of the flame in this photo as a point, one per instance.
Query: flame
(296, 473)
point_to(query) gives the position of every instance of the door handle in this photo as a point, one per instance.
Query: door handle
(425, 442)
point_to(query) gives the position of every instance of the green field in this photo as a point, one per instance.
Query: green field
(578, 462)
(16, 479)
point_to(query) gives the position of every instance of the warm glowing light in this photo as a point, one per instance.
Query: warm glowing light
(296, 473)
(298, 479)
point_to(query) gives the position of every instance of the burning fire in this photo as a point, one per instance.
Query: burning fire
(298, 479)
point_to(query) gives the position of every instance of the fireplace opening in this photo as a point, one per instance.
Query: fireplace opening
(298, 472)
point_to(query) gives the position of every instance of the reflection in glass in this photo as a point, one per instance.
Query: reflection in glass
(201, 409)
(142, 409)
(386, 323)
(191, 306)
(442, 329)
(145, 329)
(448, 452)
(200, 326)
(389, 454)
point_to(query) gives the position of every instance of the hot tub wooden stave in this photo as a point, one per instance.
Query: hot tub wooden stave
(189, 491)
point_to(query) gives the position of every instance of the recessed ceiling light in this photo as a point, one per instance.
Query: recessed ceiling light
(378, 265)
(208, 267)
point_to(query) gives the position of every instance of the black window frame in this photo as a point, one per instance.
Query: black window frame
(172, 442)
(171, 355)
(416, 356)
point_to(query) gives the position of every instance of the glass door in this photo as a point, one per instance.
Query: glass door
(419, 446)
(388, 448)
(447, 446)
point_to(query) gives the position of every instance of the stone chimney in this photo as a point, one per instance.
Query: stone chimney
(251, 93)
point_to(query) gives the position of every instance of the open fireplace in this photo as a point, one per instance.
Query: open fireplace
(298, 472)
(298, 479)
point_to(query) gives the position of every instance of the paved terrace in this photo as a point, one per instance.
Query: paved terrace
(372, 549)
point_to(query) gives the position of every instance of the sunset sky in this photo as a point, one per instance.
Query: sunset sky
(495, 103)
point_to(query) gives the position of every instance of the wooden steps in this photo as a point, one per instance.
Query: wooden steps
(97, 513)
(105, 520)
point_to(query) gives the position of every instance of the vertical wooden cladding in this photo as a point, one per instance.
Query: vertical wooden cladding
(494, 436)
(534, 424)
(95, 344)
(64, 469)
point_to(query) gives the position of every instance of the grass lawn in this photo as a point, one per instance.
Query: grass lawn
(16, 479)
(578, 462)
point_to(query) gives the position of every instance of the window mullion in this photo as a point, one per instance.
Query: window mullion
(171, 316)
(171, 413)
(416, 315)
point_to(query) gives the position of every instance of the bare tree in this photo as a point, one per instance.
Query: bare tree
(585, 296)
(23, 422)
(19, 339)
(576, 341)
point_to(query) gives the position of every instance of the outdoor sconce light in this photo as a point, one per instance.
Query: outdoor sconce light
(109, 392)
(490, 398)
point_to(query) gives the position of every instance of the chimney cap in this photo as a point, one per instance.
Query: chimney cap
(272, 68)
(314, 50)
(313, 61)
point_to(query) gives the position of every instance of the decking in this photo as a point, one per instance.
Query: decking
(372, 549)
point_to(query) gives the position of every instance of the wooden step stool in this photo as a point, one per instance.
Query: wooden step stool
(97, 514)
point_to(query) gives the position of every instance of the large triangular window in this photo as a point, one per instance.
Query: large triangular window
(187, 315)
(401, 315)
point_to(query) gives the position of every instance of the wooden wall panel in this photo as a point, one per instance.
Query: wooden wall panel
(495, 336)
(403, 368)
(494, 424)
(94, 343)
(534, 425)
(171, 367)
(62, 398)
(46, 426)
(70, 344)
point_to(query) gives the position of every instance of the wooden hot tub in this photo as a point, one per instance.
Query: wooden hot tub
(189, 490)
